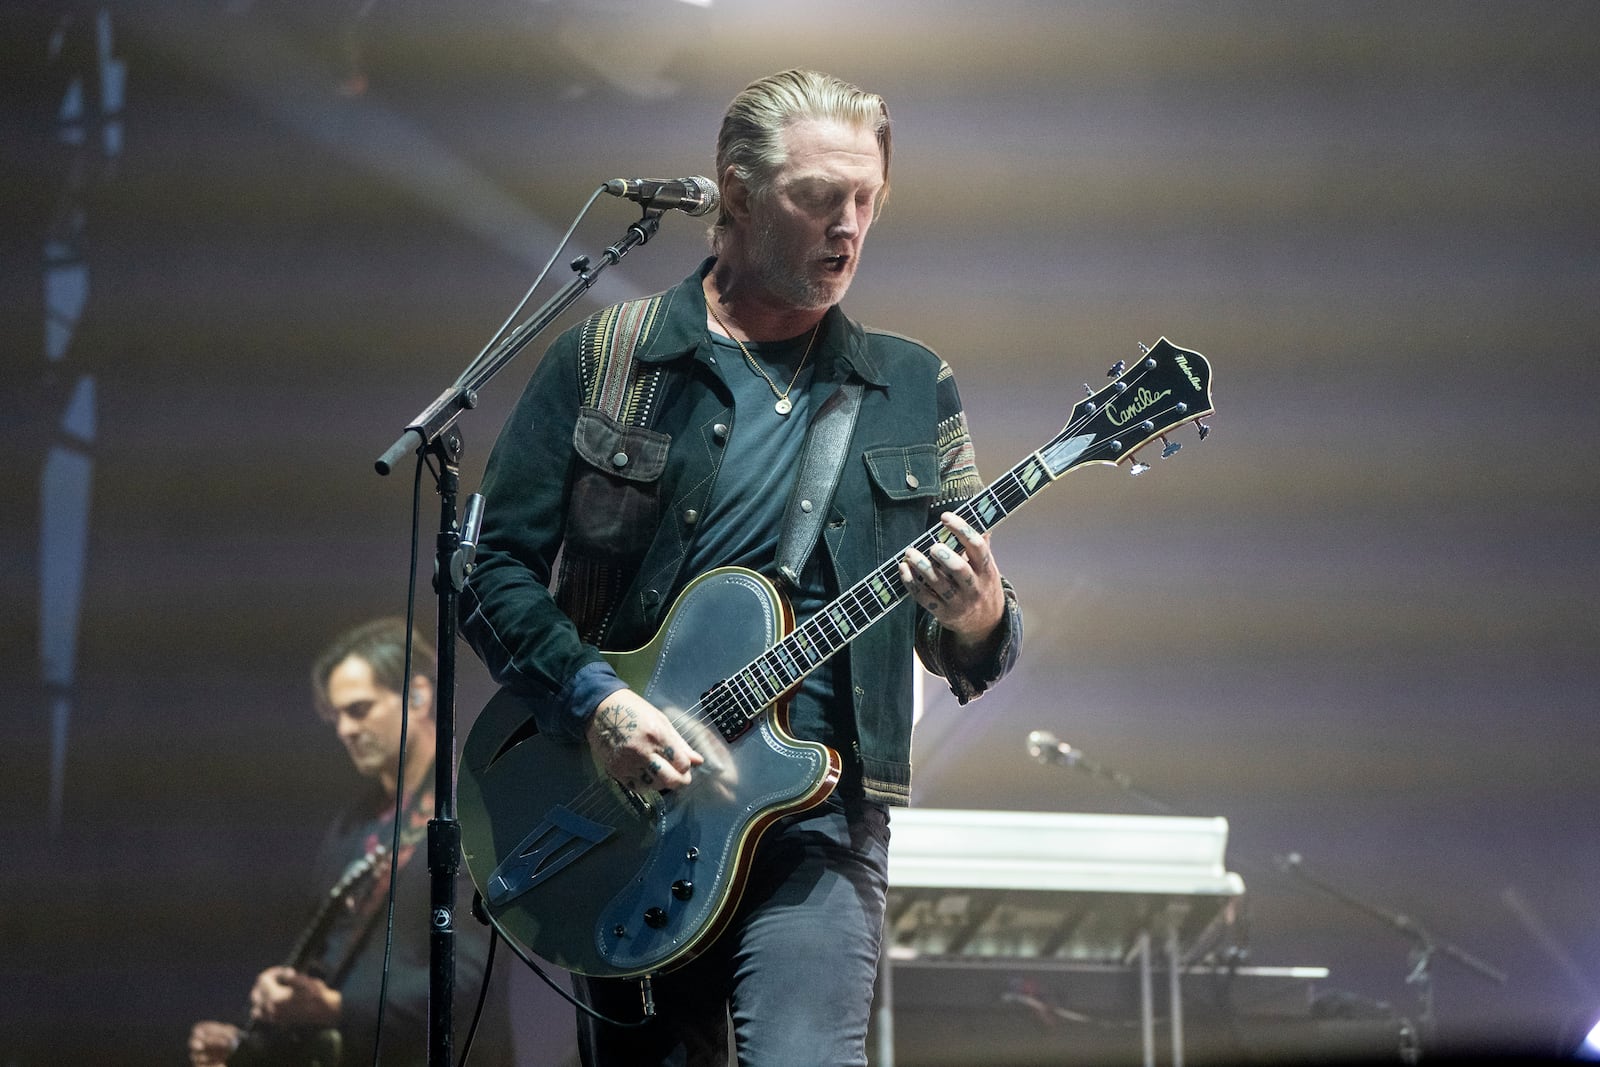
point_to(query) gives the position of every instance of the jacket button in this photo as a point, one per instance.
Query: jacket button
(911, 481)
(619, 460)
(805, 506)
(691, 517)
(720, 432)
(652, 597)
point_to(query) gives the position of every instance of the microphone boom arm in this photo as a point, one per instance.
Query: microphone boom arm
(432, 422)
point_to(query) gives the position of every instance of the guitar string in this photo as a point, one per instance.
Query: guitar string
(739, 696)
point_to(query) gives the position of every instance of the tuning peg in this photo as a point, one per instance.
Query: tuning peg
(1144, 349)
(1116, 368)
(1086, 390)
(1137, 468)
(1203, 428)
(1168, 447)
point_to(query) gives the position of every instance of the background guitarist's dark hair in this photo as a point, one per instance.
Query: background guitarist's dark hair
(382, 643)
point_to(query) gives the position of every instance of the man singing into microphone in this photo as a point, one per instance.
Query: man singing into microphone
(742, 419)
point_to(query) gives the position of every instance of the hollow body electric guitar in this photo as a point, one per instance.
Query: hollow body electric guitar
(613, 883)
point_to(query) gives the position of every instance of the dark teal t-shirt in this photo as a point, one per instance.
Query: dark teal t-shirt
(744, 517)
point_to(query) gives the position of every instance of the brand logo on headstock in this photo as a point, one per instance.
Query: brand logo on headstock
(1142, 399)
(1194, 379)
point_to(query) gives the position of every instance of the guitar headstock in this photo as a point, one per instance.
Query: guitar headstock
(1164, 389)
(358, 873)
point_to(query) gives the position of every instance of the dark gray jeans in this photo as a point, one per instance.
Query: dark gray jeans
(794, 972)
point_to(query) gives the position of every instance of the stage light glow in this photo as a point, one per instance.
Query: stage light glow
(1590, 1049)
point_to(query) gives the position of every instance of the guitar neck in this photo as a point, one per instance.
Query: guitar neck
(1168, 387)
(309, 944)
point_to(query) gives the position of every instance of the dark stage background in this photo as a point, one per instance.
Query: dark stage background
(246, 242)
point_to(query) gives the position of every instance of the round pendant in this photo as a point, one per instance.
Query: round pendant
(783, 407)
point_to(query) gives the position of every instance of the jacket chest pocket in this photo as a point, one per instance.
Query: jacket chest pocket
(616, 488)
(905, 482)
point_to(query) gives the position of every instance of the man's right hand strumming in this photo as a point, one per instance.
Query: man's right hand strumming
(637, 744)
(211, 1043)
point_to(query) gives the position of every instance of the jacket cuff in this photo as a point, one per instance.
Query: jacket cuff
(968, 682)
(578, 700)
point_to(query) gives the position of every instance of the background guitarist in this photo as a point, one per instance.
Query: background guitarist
(357, 682)
(647, 473)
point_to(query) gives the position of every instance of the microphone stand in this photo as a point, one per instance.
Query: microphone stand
(433, 432)
(1424, 943)
(1124, 783)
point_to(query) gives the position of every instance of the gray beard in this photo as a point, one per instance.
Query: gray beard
(776, 277)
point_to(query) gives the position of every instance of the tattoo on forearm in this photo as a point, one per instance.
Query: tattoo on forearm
(615, 722)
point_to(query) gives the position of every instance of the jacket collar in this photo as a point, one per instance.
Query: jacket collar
(681, 332)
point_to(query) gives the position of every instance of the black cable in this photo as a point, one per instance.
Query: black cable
(483, 996)
(477, 361)
(529, 962)
(400, 770)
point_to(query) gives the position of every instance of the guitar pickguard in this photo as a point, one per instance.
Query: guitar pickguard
(561, 837)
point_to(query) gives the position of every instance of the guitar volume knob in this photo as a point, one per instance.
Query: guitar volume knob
(655, 918)
(683, 889)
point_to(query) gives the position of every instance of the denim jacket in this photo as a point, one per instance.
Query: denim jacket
(626, 495)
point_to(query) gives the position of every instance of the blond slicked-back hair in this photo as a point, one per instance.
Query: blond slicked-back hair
(751, 138)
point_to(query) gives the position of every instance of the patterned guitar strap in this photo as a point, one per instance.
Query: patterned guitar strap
(614, 384)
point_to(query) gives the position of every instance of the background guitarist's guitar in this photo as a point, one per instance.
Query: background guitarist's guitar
(267, 1046)
(611, 883)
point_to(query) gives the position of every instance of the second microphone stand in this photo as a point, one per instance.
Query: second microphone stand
(1424, 945)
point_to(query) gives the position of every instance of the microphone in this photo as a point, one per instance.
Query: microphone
(1047, 748)
(467, 547)
(693, 196)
